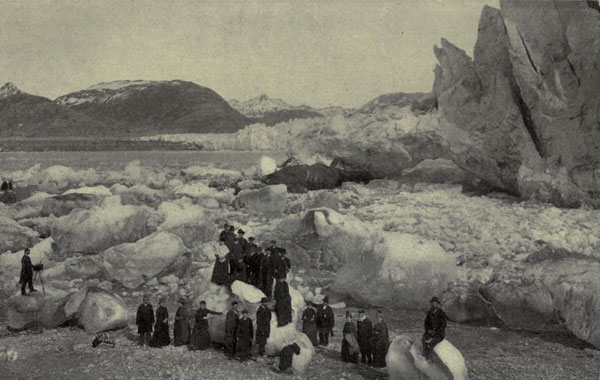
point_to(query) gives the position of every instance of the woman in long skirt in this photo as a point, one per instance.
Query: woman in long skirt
(309, 324)
(200, 339)
(181, 328)
(349, 343)
(161, 337)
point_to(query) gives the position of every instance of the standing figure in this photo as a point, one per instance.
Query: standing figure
(144, 320)
(283, 303)
(244, 336)
(254, 264)
(381, 341)
(243, 243)
(350, 346)
(239, 273)
(231, 326)
(364, 333)
(435, 327)
(220, 274)
(230, 237)
(200, 339)
(4, 186)
(223, 234)
(266, 274)
(26, 277)
(286, 356)
(161, 336)
(263, 325)
(309, 323)
(282, 264)
(325, 322)
(181, 327)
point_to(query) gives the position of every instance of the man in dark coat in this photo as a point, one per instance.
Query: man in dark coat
(26, 277)
(245, 334)
(309, 323)
(240, 271)
(282, 264)
(263, 325)
(266, 274)
(223, 234)
(242, 241)
(144, 321)
(283, 303)
(435, 327)
(381, 341)
(230, 237)
(286, 357)
(254, 266)
(325, 322)
(364, 335)
(231, 326)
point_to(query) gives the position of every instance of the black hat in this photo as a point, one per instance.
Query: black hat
(232, 228)
(240, 231)
(202, 302)
(234, 303)
(264, 300)
(434, 299)
(251, 238)
(273, 242)
(348, 314)
(326, 299)
(226, 225)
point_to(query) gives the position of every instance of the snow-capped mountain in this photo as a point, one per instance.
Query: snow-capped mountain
(270, 111)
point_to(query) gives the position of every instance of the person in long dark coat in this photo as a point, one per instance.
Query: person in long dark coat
(26, 277)
(220, 274)
(254, 267)
(243, 243)
(286, 357)
(435, 327)
(161, 336)
(231, 326)
(325, 322)
(240, 271)
(181, 327)
(282, 264)
(230, 237)
(144, 320)
(235, 253)
(200, 338)
(263, 325)
(364, 334)
(350, 347)
(309, 323)
(381, 341)
(4, 186)
(266, 274)
(283, 303)
(245, 334)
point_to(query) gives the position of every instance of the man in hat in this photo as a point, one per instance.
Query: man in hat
(244, 336)
(263, 325)
(381, 341)
(230, 237)
(325, 321)
(242, 241)
(435, 327)
(223, 234)
(231, 326)
(26, 277)
(364, 334)
(282, 264)
(254, 262)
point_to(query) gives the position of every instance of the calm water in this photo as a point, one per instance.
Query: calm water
(117, 160)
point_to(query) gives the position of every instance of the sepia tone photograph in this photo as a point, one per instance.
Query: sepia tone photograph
(300, 189)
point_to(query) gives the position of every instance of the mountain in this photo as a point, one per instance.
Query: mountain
(25, 115)
(270, 111)
(150, 107)
(419, 100)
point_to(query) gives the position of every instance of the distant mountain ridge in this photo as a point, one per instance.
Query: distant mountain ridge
(270, 111)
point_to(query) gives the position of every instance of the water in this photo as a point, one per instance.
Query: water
(117, 160)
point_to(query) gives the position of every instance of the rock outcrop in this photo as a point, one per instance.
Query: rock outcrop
(15, 237)
(527, 99)
(268, 199)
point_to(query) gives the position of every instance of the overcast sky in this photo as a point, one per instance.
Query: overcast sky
(319, 53)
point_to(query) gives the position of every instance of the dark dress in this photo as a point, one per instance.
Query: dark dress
(265, 276)
(231, 325)
(229, 239)
(283, 304)
(349, 343)
(245, 333)
(220, 275)
(200, 339)
(435, 329)
(263, 327)
(325, 323)
(286, 356)
(181, 328)
(281, 266)
(309, 324)
(161, 337)
(381, 343)
(364, 334)
(240, 272)
(144, 318)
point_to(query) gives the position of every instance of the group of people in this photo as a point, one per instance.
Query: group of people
(370, 341)
(6, 186)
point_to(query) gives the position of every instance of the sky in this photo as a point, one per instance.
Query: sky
(321, 52)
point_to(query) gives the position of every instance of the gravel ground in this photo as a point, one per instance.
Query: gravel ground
(66, 353)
